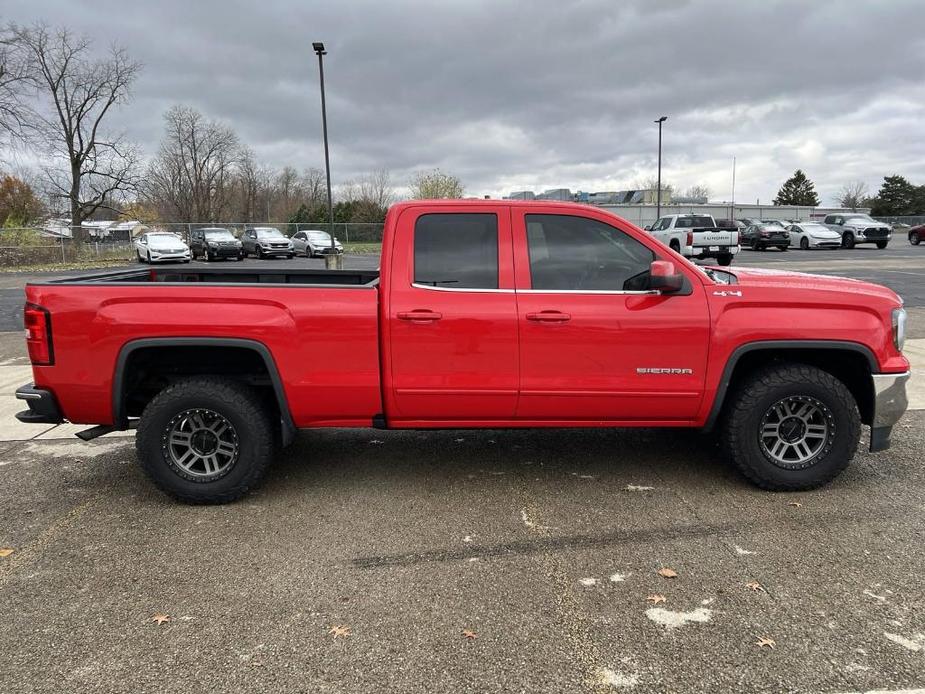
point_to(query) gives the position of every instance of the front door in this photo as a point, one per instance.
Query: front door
(595, 344)
(451, 317)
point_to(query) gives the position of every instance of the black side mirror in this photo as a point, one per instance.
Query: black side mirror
(664, 277)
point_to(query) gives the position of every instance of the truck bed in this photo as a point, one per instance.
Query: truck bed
(232, 276)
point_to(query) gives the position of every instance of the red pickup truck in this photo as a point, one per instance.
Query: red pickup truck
(483, 314)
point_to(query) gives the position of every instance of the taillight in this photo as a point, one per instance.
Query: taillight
(690, 238)
(38, 335)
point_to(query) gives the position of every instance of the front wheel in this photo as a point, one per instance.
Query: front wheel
(205, 440)
(724, 260)
(881, 244)
(847, 240)
(791, 427)
(914, 238)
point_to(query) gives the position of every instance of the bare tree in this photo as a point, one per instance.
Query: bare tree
(191, 178)
(651, 183)
(698, 191)
(77, 93)
(853, 195)
(17, 82)
(375, 188)
(434, 185)
(252, 182)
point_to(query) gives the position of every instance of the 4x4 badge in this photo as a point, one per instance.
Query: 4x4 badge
(727, 293)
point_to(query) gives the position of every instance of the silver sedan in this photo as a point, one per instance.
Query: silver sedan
(806, 235)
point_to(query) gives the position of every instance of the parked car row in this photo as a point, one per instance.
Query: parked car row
(219, 243)
(835, 231)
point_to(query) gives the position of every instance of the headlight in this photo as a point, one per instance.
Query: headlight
(213, 244)
(899, 328)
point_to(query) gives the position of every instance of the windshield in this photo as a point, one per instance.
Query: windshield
(219, 235)
(688, 222)
(321, 235)
(816, 228)
(860, 218)
(269, 233)
(164, 240)
(772, 223)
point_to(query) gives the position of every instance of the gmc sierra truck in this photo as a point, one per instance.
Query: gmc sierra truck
(697, 236)
(484, 314)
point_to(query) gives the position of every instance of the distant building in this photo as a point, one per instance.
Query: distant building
(522, 195)
(561, 194)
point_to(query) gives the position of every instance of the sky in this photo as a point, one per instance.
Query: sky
(535, 95)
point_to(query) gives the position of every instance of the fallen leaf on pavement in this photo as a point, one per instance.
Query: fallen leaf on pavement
(665, 572)
(469, 634)
(340, 630)
(655, 599)
(795, 504)
(765, 641)
(6, 551)
(160, 618)
(755, 586)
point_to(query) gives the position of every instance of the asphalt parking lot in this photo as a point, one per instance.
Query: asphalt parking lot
(489, 561)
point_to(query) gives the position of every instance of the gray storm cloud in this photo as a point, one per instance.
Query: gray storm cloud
(539, 94)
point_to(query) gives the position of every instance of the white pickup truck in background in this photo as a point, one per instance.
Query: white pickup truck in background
(696, 236)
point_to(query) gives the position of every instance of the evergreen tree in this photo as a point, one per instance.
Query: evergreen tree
(897, 197)
(797, 190)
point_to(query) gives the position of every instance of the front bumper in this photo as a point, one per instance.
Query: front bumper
(226, 252)
(327, 250)
(168, 257)
(890, 402)
(43, 408)
(274, 251)
(824, 243)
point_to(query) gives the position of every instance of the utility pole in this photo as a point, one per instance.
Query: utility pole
(332, 261)
(658, 193)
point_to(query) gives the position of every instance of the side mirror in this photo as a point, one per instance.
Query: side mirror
(664, 276)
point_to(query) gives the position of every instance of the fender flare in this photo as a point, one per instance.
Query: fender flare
(120, 419)
(741, 350)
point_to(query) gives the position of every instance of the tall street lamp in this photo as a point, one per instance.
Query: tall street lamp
(658, 193)
(332, 260)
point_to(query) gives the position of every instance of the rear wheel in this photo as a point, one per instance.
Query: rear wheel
(881, 244)
(140, 258)
(791, 427)
(205, 440)
(675, 246)
(847, 240)
(804, 244)
(724, 260)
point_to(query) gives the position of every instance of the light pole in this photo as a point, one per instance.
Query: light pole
(658, 193)
(331, 260)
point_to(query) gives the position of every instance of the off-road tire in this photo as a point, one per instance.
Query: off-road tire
(240, 405)
(882, 244)
(675, 246)
(759, 392)
(724, 260)
(847, 241)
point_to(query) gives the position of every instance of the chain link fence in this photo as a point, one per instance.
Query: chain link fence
(35, 247)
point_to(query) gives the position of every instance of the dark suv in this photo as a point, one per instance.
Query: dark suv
(267, 242)
(214, 242)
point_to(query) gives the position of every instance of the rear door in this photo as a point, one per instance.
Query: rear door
(596, 345)
(452, 316)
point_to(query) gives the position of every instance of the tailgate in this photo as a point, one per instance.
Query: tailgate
(715, 237)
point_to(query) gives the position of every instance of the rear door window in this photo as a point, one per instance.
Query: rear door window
(456, 251)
